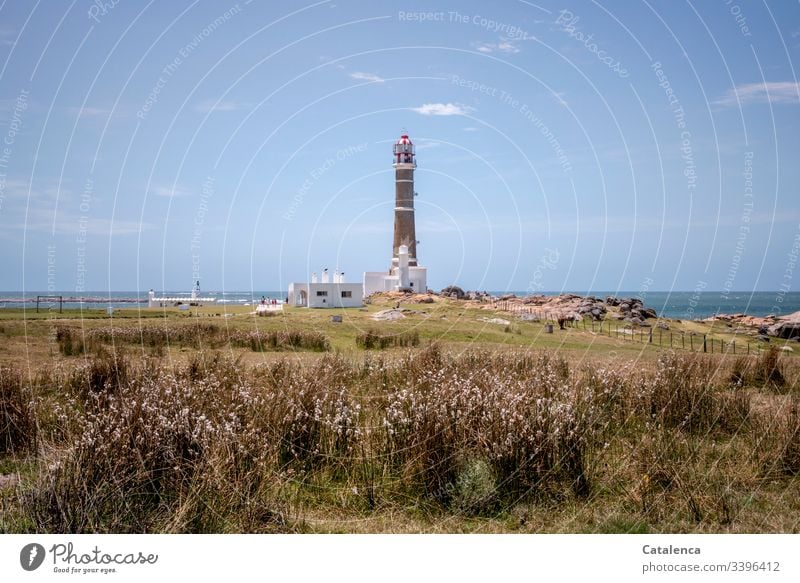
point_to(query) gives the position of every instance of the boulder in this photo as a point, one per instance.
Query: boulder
(785, 330)
(457, 293)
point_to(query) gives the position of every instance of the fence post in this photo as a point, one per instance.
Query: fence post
(704, 343)
(691, 341)
(683, 340)
(733, 343)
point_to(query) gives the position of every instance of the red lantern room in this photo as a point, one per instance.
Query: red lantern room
(404, 151)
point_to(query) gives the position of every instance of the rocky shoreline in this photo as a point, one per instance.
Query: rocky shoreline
(630, 310)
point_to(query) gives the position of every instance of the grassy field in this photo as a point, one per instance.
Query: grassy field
(217, 420)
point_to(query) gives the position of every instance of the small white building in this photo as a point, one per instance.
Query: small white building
(193, 300)
(403, 277)
(325, 293)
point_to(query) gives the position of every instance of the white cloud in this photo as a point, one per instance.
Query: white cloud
(169, 192)
(361, 76)
(769, 92)
(443, 109)
(212, 105)
(505, 46)
(67, 222)
(90, 111)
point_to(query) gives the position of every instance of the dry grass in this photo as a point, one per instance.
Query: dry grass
(17, 418)
(517, 438)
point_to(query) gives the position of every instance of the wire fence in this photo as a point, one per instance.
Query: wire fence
(655, 336)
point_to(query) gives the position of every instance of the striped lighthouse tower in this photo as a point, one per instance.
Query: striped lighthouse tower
(404, 164)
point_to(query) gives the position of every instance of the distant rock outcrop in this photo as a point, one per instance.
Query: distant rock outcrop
(787, 327)
(453, 291)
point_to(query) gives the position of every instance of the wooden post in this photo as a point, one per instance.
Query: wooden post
(704, 343)
(670, 339)
(733, 343)
(651, 336)
(683, 340)
(691, 342)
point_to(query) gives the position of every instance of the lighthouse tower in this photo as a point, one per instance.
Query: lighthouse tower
(404, 163)
(405, 274)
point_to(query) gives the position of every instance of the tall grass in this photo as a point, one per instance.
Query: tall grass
(17, 416)
(373, 340)
(213, 445)
(74, 341)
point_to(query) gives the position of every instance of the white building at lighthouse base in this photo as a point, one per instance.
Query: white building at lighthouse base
(403, 277)
(326, 294)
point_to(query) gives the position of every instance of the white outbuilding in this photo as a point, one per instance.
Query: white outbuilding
(403, 277)
(325, 293)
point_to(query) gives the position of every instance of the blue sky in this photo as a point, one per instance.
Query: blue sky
(570, 145)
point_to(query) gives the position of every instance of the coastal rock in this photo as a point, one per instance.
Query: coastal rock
(494, 321)
(388, 315)
(788, 327)
(453, 291)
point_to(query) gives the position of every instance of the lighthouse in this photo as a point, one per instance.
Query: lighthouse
(404, 274)
(404, 163)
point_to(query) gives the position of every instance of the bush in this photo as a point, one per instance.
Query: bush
(681, 394)
(372, 340)
(259, 341)
(768, 369)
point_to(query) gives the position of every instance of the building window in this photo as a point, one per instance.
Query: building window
(321, 293)
(347, 294)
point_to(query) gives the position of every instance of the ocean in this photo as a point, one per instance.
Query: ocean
(674, 305)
